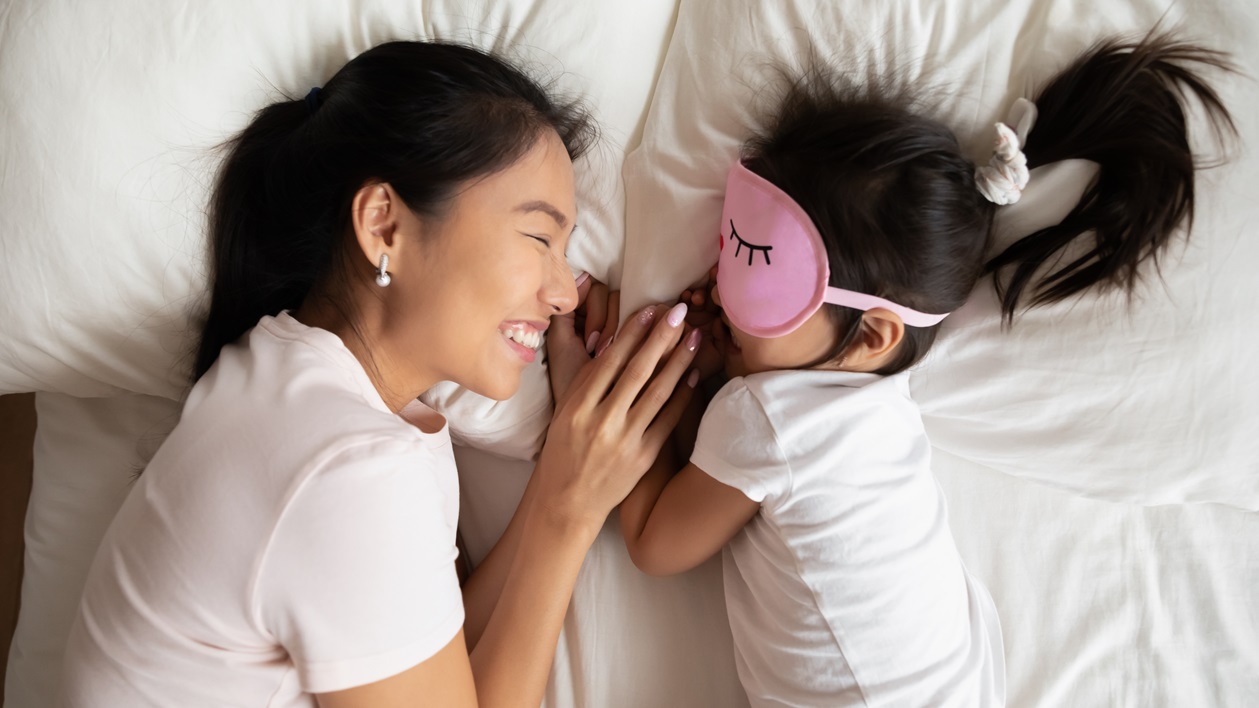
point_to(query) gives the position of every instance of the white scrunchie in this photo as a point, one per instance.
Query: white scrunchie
(1002, 180)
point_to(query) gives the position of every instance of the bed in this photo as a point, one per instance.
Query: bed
(1101, 459)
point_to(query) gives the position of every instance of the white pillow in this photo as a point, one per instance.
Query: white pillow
(1155, 405)
(110, 111)
(87, 454)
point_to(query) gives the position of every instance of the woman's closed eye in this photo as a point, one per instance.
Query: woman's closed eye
(752, 247)
(544, 240)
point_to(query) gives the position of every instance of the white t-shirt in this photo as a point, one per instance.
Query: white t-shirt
(292, 536)
(847, 588)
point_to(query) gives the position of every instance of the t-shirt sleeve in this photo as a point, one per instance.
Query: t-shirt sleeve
(737, 446)
(358, 583)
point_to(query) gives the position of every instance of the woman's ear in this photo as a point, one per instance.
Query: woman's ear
(374, 216)
(881, 332)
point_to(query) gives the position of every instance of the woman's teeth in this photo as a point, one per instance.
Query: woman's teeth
(527, 337)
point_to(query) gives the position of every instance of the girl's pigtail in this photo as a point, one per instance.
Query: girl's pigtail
(1121, 105)
(260, 266)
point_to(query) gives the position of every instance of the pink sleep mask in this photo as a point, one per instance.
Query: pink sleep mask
(773, 272)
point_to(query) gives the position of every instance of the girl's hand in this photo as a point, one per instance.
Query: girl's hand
(704, 314)
(612, 421)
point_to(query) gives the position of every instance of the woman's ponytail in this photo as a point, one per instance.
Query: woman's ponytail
(1123, 106)
(257, 269)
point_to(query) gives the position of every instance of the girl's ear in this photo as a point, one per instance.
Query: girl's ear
(881, 332)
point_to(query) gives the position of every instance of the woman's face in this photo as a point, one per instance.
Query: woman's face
(475, 297)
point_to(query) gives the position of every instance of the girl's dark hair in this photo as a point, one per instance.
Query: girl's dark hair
(898, 208)
(424, 117)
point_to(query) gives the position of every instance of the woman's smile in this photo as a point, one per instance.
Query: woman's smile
(524, 338)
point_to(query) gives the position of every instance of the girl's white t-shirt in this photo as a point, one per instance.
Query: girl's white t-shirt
(847, 588)
(292, 536)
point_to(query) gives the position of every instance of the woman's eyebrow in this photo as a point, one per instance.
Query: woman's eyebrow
(546, 208)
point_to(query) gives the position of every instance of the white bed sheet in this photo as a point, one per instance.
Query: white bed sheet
(1110, 603)
(1102, 603)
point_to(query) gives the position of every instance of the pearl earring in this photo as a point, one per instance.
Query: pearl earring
(382, 275)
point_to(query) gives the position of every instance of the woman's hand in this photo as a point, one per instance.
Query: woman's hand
(596, 315)
(609, 425)
(612, 420)
(574, 337)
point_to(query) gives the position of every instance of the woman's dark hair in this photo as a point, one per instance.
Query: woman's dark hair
(424, 117)
(898, 208)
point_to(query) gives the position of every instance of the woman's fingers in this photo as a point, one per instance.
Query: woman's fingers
(657, 434)
(596, 448)
(614, 315)
(596, 309)
(665, 382)
(613, 354)
(601, 340)
(639, 369)
(564, 355)
(583, 283)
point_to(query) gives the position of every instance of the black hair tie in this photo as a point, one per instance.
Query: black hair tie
(312, 100)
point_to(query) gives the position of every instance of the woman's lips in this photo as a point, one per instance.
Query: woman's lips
(524, 337)
(529, 355)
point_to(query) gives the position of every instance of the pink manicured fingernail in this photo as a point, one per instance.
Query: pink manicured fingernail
(603, 346)
(676, 314)
(692, 378)
(647, 315)
(591, 341)
(692, 340)
(582, 278)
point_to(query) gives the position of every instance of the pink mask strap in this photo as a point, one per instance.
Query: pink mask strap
(863, 302)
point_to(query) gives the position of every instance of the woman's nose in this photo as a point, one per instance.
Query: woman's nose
(560, 291)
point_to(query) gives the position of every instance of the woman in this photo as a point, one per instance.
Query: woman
(292, 542)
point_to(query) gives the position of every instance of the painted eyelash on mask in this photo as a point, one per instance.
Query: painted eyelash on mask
(752, 248)
(771, 302)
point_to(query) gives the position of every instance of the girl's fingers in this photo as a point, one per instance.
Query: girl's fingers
(639, 368)
(665, 382)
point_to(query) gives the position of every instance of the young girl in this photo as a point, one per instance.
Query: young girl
(850, 229)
